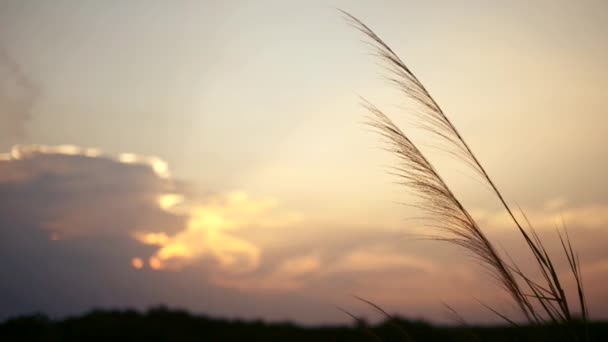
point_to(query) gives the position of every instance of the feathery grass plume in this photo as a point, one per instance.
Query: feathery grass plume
(539, 303)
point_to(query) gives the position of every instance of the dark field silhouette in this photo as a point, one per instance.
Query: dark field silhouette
(162, 324)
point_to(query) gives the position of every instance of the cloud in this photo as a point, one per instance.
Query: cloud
(207, 234)
(66, 219)
(290, 275)
(329, 265)
(369, 260)
(72, 192)
(17, 96)
(69, 217)
(552, 214)
(103, 230)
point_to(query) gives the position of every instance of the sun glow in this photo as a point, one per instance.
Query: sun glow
(158, 165)
(137, 263)
(168, 201)
(207, 233)
(155, 263)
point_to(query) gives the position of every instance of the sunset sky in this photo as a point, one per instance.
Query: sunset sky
(211, 155)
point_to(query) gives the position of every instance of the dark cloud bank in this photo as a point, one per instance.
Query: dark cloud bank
(66, 244)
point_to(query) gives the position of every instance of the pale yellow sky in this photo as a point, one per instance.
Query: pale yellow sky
(260, 98)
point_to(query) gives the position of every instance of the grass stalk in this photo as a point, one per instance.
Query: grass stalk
(539, 302)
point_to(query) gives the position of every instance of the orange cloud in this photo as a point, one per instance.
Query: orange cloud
(207, 232)
(92, 193)
(306, 271)
(291, 275)
(137, 263)
(376, 260)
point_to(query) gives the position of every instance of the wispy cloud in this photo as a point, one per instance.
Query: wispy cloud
(17, 96)
(554, 213)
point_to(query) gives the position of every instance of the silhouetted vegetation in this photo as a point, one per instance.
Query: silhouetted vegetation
(162, 324)
(541, 297)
